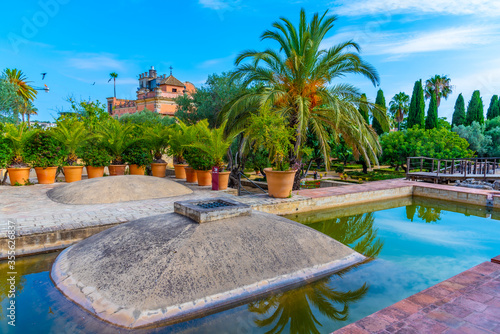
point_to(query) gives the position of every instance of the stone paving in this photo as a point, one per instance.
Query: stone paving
(466, 303)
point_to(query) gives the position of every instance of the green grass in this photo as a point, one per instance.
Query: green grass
(378, 175)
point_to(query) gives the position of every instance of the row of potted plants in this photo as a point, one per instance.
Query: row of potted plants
(196, 149)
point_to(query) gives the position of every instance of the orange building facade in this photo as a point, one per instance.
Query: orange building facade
(155, 93)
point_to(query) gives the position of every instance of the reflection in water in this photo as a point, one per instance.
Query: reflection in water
(427, 214)
(295, 307)
(356, 232)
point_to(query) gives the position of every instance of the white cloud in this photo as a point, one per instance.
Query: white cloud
(490, 8)
(220, 4)
(95, 61)
(218, 61)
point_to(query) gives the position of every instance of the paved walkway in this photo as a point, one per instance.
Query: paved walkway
(466, 303)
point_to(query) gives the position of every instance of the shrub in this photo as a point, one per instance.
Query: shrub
(43, 150)
(95, 155)
(138, 154)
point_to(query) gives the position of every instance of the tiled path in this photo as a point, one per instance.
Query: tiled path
(466, 303)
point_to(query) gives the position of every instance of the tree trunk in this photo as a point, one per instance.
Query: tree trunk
(114, 86)
(22, 115)
(365, 166)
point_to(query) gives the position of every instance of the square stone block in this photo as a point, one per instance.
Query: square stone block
(203, 211)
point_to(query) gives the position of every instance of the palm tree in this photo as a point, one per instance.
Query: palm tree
(17, 136)
(18, 78)
(158, 138)
(295, 81)
(31, 110)
(116, 137)
(73, 135)
(113, 75)
(440, 85)
(399, 106)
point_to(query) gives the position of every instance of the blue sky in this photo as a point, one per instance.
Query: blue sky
(78, 43)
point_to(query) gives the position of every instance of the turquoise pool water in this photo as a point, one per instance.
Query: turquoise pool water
(416, 244)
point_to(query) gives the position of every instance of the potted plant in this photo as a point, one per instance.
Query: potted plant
(116, 138)
(138, 157)
(340, 169)
(158, 138)
(17, 137)
(96, 157)
(5, 156)
(179, 138)
(201, 163)
(45, 154)
(269, 130)
(72, 134)
(215, 143)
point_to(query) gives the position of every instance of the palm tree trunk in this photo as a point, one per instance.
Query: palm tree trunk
(114, 85)
(28, 116)
(399, 126)
(22, 115)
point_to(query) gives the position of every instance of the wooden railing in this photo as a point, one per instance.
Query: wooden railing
(472, 167)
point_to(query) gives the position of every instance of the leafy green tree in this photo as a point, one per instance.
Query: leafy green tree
(293, 80)
(209, 99)
(478, 141)
(475, 109)
(494, 108)
(363, 109)
(9, 101)
(439, 143)
(440, 85)
(416, 114)
(431, 121)
(379, 101)
(146, 118)
(398, 107)
(459, 111)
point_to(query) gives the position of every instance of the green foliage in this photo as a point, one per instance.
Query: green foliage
(414, 142)
(94, 154)
(5, 151)
(213, 142)
(443, 123)
(342, 151)
(380, 102)
(475, 109)
(180, 136)
(116, 138)
(339, 169)
(416, 114)
(43, 150)
(494, 108)
(138, 154)
(431, 121)
(72, 134)
(478, 141)
(270, 131)
(157, 138)
(439, 85)
(258, 159)
(146, 118)
(9, 100)
(208, 100)
(399, 107)
(363, 109)
(17, 137)
(459, 112)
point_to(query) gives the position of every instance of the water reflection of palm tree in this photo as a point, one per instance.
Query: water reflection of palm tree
(427, 214)
(295, 307)
(354, 231)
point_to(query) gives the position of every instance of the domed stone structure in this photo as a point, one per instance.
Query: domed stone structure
(169, 268)
(115, 189)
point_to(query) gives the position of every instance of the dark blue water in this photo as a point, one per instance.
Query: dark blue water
(415, 244)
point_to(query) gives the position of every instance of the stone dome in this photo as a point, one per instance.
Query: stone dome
(168, 268)
(115, 189)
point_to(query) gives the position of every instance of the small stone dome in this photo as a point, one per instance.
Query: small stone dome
(115, 189)
(168, 268)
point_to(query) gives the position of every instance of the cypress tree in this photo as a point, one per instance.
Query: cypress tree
(363, 109)
(379, 101)
(493, 108)
(416, 114)
(459, 113)
(496, 109)
(475, 109)
(431, 121)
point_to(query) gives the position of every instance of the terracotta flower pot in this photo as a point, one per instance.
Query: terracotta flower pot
(180, 171)
(46, 175)
(115, 170)
(280, 183)
(137, 170)
(223, 180)
(191, 176)
(93, 172)
(204, 177)
(159, 169)
(73, 173)
(19, 175)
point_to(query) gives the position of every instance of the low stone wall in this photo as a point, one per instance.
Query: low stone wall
(458, 195)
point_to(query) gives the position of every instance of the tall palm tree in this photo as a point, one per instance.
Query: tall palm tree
(297, 80)
(399, 106)
(440, 85)
(23, 89)
(113, 75)
(31, 110)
